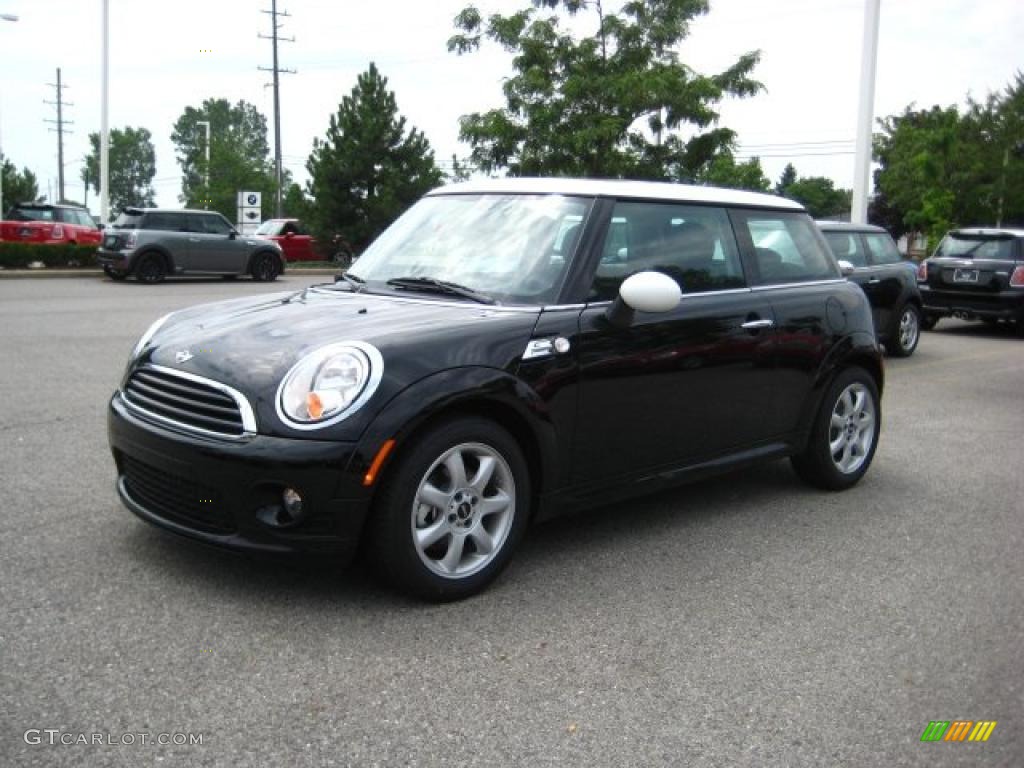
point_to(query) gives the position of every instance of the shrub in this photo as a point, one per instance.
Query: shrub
(20, 255)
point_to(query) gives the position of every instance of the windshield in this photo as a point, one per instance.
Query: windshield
(513, 248)
(976, 247)
(271, 227)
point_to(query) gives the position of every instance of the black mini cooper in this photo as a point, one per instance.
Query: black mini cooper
(506, 350)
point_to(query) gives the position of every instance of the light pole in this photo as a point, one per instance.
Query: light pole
(206, 125)
(104, 119)
(5, 17)
(865, 113)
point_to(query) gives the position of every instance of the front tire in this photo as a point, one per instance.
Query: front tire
(265, 268)
(451, 510)
(114, 275)
(150, 269)
(844, 434)
(907, 332)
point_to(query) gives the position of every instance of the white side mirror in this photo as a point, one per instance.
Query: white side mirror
(845, 267)
(644, 292)
(650, 292)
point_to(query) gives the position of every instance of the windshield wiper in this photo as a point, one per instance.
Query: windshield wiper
(355, 281)
(432, 284)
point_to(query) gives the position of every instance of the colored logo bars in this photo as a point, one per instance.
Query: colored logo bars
(958, 730)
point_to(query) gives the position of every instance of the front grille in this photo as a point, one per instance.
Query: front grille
(185, 401)
(175, 498)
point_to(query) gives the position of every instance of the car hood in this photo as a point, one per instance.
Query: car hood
(251, 344)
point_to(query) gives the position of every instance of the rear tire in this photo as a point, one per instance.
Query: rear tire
(928, 322)
(451, 510)
(151, 269)
(844, 434)
(265, 268)
(906, 333)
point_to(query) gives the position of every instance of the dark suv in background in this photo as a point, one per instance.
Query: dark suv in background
(886, 278)
(975, 273)
(152, 243)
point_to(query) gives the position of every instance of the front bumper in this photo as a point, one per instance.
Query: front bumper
(220, 492)
(116, 260)
(1004, 305)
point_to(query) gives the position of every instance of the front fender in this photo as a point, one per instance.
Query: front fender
(488, 392)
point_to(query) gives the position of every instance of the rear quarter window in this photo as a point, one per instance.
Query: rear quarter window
(172, 222)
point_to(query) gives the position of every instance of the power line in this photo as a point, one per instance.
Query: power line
(60, 131)
(276, 69)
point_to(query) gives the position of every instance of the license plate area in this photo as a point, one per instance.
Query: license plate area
(965, 275)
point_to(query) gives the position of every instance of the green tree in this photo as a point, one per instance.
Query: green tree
(614, 103)
(724, 171)
(369, 168)
(294, 203)
(925, 164)
(786, 179)
(819, 196)
(132, 167)
(17, 187)
(239, 155)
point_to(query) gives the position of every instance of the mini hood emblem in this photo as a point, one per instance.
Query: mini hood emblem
(183, 356)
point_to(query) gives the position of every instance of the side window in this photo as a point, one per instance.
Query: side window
(694, 245)
(215, 224)
(846, 245)
(883, 249)
(167, 222)
(787, 248)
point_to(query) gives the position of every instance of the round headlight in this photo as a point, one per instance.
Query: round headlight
(329, 384)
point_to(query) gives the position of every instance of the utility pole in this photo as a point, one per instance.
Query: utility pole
(274, 13)
(60, 130)
(865, 113)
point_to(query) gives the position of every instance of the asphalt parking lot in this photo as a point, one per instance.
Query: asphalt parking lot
(742, 621)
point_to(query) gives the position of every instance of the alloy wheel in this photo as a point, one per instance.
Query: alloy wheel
(852, 428)
(463, 510)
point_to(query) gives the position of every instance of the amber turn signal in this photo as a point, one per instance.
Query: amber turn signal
(371, 474)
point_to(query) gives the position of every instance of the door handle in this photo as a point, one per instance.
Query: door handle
(756, 325)
(873, 280)
(193, 239)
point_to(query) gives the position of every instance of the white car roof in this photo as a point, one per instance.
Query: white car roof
(646, 190)
(988, 231)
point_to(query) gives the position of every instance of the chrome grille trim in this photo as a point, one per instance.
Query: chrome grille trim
(199, 403)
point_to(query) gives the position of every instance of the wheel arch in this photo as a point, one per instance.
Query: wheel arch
(157, 250)
(485, 393)
(265, 252)
(858, 350)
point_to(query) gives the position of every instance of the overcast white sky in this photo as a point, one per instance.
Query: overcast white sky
(930, 51)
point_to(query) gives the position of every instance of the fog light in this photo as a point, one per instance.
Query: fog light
(292, 500)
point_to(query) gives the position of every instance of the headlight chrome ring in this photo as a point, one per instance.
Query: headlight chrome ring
(299, 383)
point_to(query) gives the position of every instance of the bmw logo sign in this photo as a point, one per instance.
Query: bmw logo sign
(252, 199)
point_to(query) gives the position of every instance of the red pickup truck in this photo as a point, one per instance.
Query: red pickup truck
(42, 223)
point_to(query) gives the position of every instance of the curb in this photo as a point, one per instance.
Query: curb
(15, 274)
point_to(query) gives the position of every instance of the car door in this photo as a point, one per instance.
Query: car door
(790, 268)
(302, 244)
(221, 253)
(847, 245)
(678, 387)
(889, 278)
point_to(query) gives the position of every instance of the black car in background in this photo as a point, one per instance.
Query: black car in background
(508, 349)
(887, 279)
(975, 273)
